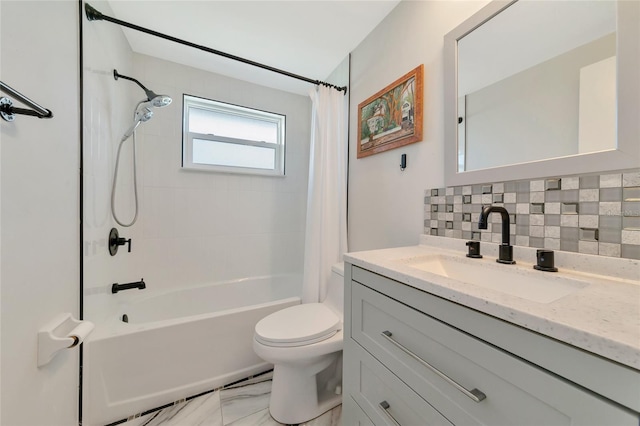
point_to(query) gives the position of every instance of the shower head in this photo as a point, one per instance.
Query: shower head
(157, 101)
(142, 114)
(143, 109)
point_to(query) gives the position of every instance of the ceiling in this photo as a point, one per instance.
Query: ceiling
(308, 38)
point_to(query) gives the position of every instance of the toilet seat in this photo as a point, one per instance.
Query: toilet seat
(298, 326)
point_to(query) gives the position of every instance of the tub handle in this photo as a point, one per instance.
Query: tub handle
(115, 240)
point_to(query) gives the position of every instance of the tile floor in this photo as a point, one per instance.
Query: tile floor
(242, 404)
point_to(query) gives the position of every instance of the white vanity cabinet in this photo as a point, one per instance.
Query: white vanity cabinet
(411, 358)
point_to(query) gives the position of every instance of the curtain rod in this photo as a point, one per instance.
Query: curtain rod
(94, 15)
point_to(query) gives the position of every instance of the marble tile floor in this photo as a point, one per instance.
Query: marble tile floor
(241, 404)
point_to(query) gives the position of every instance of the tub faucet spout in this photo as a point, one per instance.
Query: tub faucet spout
(505, 251)
(140, 285)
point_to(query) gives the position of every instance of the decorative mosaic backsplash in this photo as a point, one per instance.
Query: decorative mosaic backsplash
(594, 214)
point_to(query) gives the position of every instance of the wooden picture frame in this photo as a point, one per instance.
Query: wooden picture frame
(392, 117)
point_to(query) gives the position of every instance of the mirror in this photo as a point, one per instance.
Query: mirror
(563, 76)
(535, 89)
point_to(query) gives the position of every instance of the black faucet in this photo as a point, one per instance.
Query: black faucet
(505, 251)
(140, 285)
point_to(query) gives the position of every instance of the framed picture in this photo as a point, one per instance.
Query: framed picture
(392, 117)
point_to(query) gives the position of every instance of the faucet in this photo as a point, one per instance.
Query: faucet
(140, 285)
(505, 251)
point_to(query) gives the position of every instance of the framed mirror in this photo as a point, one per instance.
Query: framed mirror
(537, 89)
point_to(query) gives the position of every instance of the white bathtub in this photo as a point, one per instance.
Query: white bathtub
(178, 344)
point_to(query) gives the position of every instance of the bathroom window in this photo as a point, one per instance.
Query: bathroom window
(223, 137)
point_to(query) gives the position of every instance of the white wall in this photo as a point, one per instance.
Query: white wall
(340, 75)
(194, 227)
(218, 226)
(385, 204)
(40, 228)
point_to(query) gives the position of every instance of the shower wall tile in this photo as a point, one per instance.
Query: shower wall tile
(226, 226)
(592, 214)
(191, 225)
(161, 202)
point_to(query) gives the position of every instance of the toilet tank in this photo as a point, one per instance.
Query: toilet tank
(335, 292)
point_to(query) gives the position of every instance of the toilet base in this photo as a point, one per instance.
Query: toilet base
(328, 405)
(299, 394)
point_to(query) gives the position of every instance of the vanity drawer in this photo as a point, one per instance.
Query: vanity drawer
(384, 398)
(450, 368)
(352, 414)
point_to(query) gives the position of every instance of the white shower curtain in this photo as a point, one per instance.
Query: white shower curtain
(326, 229)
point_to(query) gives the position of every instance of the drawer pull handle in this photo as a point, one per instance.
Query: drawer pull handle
(385, 407)
(474, 394)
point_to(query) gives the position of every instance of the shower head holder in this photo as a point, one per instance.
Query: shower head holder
(150, 94)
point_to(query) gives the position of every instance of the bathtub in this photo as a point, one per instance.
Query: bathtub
(177, 344)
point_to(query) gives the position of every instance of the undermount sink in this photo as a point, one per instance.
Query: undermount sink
(529, 284)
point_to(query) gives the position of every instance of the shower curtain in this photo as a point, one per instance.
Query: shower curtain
(326, 228)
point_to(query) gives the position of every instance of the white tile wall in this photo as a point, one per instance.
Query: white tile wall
(193, 227)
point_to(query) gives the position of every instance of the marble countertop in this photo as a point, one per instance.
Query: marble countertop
(602, 318)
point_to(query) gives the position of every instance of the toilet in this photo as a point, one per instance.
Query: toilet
(304, 344)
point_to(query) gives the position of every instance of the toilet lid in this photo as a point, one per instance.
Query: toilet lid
(298, 325)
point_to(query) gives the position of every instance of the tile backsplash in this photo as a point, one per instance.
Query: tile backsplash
(592, 214)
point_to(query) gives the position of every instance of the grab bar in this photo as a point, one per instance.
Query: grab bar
(475, 394)
(8, 111)
(140, 285)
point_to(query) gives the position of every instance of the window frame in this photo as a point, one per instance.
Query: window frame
(190, 101)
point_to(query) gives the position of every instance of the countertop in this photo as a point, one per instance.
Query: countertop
(602, 318)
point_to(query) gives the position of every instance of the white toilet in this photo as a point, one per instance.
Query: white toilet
(304, 343)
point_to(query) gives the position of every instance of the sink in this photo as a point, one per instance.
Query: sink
(529, 284)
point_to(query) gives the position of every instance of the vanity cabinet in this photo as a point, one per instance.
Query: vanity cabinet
(411, 358)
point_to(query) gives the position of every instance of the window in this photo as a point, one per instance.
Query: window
(229, 138)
